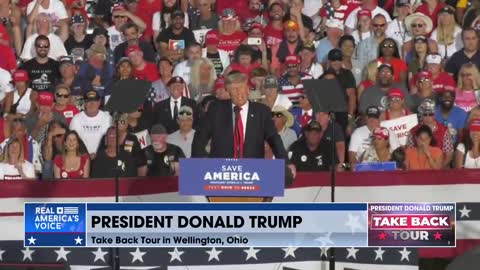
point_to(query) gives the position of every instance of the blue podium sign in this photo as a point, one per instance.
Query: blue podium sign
(232, 177)
(376, 166)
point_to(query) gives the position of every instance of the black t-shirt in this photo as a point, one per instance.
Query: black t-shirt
(103, 166)
(42, 76)
(169, 37)
(85, 44)
(257, 55)
(132, 147)
(306, 160)
(217, 63)
(160, 164)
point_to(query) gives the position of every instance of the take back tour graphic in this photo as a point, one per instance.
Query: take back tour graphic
(232, 177)
(55, 224)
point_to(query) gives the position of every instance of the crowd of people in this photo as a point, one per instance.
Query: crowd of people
(60, 61)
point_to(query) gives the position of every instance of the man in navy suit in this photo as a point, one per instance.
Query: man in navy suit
(166, 111)
(303, 114)
(237, 128)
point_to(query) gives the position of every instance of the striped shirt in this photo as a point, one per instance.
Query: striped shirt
(293, 92)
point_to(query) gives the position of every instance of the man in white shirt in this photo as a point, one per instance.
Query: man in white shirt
(361, 137)
(183, 137)
(351, 22)
(55, 9)
(43, 26)
(92, 123)
(183, 68)
(115, 34)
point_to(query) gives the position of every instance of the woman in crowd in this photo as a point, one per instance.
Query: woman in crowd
(52, 146)
(202, 79)
(468, 153)
(18, 103)
(283, 120)
(104, 164)
(130, 145)
(205, 18)
(347, 46)
(63, 103)
(388, 54)
(74, 162)
(124, 70)
(418, 59)
(231, 34)
(379, 150)
(417, 25)
(424, 155)
(364, 25)
(162, 20)
(308, 63)
(14, 165)
(443, 138)
(467, 92)
(369, 78)
(242, 61)
(448, 33)
(396, 105)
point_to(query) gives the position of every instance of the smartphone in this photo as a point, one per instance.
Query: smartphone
(254, 41)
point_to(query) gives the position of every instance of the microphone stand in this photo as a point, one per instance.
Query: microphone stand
(116, 251)
(333, 171)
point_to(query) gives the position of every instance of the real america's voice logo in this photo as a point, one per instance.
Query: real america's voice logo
(54, 224)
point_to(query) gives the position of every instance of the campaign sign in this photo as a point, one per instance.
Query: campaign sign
(55, 224)
(375, 166)
(232, 177)
(411, 224)
(401, 126)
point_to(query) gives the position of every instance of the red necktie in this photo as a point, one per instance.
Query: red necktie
(238, 134)
(305, 119)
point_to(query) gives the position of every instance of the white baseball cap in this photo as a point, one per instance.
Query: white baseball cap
(334, 23)
(434, 59)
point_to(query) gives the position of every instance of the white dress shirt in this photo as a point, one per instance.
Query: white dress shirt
(172, 104)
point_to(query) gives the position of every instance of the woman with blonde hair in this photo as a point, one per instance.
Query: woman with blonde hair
(448, 33)
(202, 78)
(467, 94)
(231, 33)
(14, 165)
(364, 26)
(369, 77)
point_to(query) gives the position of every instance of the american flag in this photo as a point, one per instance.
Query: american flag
(439, 186)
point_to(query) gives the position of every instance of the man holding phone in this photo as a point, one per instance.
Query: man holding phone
(255, 39)
(173, 40)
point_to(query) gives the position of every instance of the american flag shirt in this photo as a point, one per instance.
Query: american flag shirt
(293, 92)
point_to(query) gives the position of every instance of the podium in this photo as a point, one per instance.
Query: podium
(232, 180)
(239, 199)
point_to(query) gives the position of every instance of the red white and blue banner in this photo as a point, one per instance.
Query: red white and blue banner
(462, 187)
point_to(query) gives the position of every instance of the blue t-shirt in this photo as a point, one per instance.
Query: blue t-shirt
(457, 118)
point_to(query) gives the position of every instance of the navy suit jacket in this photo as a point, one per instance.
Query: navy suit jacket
(217, 126)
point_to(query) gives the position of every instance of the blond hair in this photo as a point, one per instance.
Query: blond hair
(474, 112)
(43, 16)
(370, 72)
(21, 156)
(195, 73)
(475, 74)
(445, 31)
(238, 26)
(236, 77)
